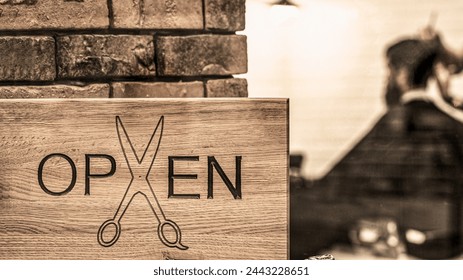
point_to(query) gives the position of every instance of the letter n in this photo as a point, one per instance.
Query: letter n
(234, 190)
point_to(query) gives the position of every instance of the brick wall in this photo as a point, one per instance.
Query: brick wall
(122, 48)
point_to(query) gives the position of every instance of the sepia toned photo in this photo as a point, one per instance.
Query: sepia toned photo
(231, 130)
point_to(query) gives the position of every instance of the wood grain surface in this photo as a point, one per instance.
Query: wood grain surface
(35, 224)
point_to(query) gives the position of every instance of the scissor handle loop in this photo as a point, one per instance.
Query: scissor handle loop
(178, 235)
(115, 237)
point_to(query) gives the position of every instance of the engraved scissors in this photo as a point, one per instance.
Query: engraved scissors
(139, 184)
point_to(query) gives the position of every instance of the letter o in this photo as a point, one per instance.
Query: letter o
(73, 180)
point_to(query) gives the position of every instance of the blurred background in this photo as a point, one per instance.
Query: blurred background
(328, 57)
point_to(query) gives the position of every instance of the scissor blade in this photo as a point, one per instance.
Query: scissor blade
(153, 146)
(126, 145)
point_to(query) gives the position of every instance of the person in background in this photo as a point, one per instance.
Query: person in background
(432, 121)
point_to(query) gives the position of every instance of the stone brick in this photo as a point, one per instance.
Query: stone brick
(225, 14)
(103, 56)
(55, 91)
(27, 58)
(158, 14)
(227, 88)
(53, 14)
(202, 55)
(158, 89)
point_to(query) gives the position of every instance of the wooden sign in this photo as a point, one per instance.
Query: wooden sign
(144, 179)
